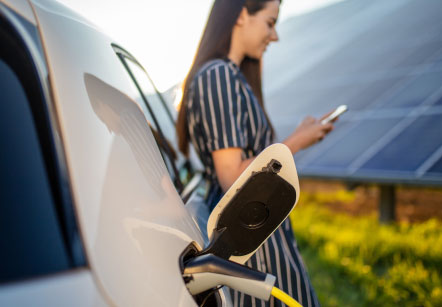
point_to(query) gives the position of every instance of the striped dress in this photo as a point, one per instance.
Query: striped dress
(223, 112)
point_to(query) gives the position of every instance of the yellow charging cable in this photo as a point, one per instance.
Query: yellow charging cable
(285, 298)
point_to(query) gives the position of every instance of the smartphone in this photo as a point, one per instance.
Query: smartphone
(337, 112)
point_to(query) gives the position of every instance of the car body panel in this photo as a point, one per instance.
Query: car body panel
(133, 222)
(72, 289)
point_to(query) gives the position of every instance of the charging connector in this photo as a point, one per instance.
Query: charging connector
(208, 271)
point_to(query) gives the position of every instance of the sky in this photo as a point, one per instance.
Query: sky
(163, 35)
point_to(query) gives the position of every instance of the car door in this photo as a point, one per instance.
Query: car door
(133, 222)
(42, 259)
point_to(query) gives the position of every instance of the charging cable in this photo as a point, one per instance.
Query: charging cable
(284, 297)
(208, 271)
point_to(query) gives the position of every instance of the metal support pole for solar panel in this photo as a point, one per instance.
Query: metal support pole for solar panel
(387, 203)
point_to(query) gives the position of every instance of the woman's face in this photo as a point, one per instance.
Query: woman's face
(259, 29)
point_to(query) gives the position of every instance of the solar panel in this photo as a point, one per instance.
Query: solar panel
(340, 155)
(370, 92)
(436, 168)
(411, 148)
(416, 91)
(384, 60)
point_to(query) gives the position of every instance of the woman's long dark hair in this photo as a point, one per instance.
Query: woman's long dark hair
(215, 43)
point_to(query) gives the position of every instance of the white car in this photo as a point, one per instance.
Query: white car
(92, 190)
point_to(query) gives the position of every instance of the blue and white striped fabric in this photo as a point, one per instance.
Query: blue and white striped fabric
(223, 112)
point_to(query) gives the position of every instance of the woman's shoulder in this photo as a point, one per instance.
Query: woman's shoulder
(215, 64)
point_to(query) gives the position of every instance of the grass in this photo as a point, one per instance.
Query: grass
(355, 261)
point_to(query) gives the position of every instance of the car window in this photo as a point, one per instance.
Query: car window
(185, 172)
(31, 239)
(160, 119)
(155, 101)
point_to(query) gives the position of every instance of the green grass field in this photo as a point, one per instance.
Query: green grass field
(355, 261)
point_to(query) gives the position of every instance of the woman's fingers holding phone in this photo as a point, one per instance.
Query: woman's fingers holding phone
(327, 119)
(309, 132)
(328, 126)
(326, 115)
(333, 116)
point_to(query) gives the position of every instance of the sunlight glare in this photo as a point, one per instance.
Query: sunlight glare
(163, 35)
(178, 97)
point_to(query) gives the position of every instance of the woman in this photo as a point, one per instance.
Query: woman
(222, 114)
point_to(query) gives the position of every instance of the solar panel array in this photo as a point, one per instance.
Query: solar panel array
(384, 60)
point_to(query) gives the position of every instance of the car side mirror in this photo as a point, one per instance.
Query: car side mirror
(255, 206)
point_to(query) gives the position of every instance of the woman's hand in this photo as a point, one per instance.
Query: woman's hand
(309, 132)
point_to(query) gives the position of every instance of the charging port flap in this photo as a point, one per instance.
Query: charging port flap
(254, 207)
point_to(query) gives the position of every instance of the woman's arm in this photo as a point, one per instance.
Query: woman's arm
(229, 165)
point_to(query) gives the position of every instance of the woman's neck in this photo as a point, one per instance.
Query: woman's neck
(235, 58)
(236, 53)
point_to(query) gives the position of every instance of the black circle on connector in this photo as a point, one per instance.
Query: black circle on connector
(253, 214)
